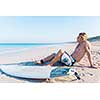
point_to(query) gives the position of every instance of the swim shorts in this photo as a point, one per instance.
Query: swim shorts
(67, 59)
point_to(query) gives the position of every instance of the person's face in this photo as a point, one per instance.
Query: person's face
(79, 38)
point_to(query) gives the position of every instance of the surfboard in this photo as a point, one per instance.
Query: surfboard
(38, 72)
(35, 72)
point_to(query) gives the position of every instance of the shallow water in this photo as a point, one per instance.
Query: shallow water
(18, 47)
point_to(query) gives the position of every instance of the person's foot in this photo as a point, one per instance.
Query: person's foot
(48, 65)
(37, 61)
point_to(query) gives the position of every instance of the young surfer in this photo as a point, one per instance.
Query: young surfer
(83, 47)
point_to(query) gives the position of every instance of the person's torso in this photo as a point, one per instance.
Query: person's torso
(79, 52)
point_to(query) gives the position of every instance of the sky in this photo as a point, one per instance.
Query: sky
(46, 29)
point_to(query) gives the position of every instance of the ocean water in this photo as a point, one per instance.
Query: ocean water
(17, 47)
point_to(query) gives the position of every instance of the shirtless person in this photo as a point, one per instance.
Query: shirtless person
(81, 49)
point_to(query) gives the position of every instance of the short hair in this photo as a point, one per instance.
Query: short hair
(83, 35)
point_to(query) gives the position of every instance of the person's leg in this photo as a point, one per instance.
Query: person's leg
(56, 58)
(48, 58)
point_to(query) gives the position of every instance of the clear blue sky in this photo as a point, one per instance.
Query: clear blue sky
(46, 29)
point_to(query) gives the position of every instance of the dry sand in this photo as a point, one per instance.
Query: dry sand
(88, 75)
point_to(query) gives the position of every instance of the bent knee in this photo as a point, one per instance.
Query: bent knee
(61, 51)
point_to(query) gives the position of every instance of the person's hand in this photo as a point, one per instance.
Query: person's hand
(94, 66)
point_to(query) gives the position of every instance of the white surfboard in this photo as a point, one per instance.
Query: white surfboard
(36, 72)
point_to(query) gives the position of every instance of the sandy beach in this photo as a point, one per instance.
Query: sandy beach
(88, 75)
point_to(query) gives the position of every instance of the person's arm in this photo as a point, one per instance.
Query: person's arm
(88, 51)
